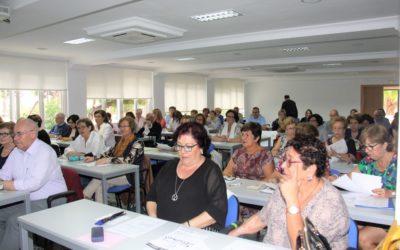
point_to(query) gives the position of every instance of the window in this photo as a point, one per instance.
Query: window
(229, 93)
(118, 90)
(185, 92)
(32, 86)
(390, 101)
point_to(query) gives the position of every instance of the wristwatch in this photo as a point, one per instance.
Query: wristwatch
(293, 210)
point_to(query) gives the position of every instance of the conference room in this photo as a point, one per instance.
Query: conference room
(76, 57)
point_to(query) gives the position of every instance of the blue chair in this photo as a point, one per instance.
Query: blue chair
(335, 172)
(232, 214)
(353, 234)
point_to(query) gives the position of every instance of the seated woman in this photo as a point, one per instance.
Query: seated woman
(159, 118)
(104, 128)
(213, 122)
(347, 153)
(231, 129)
(6, 141)
(381, 160)
(201, 119)
(127, 150)
(251, 161)
(89, 142)
(73, 131)
(317, 121)
(307, 114)
(277, 125)
(289, 124)
(302, 193)
(191, 189)
(176, 121)
(42, 134)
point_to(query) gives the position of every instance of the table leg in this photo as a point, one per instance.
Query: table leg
(27, 204)
(26, 241)
(137, 190)
(105, 188)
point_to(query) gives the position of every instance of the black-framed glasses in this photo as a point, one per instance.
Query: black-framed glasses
(187, 148)
(5, 134)
(370, 146)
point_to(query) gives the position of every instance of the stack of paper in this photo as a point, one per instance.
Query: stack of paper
(359, 183)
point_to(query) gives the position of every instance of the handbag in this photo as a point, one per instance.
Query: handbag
(392, 239)
(310, 238)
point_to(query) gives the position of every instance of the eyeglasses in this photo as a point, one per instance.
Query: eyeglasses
(230, 116)
(187, 148)
(123, 127)
(81, 127)
(370, 147)
(4, 134)
(19, 134)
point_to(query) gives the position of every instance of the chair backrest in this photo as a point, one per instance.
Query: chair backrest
(73, 182)
(353, 234)
(148, 177)
(232, 214)
(334, 172)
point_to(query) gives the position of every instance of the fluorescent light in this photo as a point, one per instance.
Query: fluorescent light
(185, 59)
(310, 1)
(79, 41)
(298, 49)
(216, 15)
(331, 64)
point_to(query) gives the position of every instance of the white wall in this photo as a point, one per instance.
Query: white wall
(320, 94)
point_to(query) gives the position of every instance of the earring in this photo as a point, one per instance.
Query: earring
(309, 178)
(201, 151)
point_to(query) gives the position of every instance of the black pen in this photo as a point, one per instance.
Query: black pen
(106, 219)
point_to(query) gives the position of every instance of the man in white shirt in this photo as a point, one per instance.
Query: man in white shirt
(139, 120)
(32, 166)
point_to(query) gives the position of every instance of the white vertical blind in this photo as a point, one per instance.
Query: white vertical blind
(229, 93)
(109, 82)
(32, 74)
(185, 92)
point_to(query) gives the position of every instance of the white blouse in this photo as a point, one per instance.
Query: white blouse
(107, 133)
(94, 145)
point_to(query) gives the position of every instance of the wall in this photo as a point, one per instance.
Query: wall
(320, 94)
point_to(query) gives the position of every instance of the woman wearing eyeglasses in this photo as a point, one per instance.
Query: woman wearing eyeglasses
(89, 142)
(231, 129)
(127, 150)
(302, 193)
(381, 160)
(190, 190)
(6, 141)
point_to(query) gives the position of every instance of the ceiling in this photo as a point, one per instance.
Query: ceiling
(342, 36)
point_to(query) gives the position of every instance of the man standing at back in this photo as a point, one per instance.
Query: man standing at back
(32, 167)
(290, 107)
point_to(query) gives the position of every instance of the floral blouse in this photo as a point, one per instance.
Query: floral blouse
(251, 166)
(368, 166)
(136, 151)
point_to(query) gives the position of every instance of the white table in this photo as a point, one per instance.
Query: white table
(105, 172)
(267, 138)
(157, 154)
(342, 167)
(65, 224)
(230, 146)
(9, 197)
(255, 197)
(60, 143)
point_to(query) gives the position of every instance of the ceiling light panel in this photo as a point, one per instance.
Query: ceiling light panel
(295, 49)
(79, 41)
(216, 15)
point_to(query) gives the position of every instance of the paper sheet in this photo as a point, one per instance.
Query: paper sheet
(179, 239)
(136, 227)
(364, 200)
(339, 147)
(240, 245)
(164, 147)
(359, 183)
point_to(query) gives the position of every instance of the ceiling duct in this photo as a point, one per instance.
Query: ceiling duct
(285, 69)
(134, 30)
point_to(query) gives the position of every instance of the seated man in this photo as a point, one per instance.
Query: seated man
(61, 128)
(33, 167)
(256, 117)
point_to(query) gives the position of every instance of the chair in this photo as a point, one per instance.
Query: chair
(232, 214)
(146, 179)
(353, 234)
(334, 172)
(56, 149)
(72, 180)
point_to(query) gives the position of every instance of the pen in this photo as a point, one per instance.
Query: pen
(106, 219)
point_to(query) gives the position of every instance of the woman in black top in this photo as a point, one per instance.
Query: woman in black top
(6, 141)
(42, 134)
(191, 189)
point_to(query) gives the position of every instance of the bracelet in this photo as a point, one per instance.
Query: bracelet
(188, 223)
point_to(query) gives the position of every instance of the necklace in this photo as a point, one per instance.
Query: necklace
(304, 201)
(175, 197)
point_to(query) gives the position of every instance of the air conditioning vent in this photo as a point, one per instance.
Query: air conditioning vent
(134, 30)
(4, 14)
